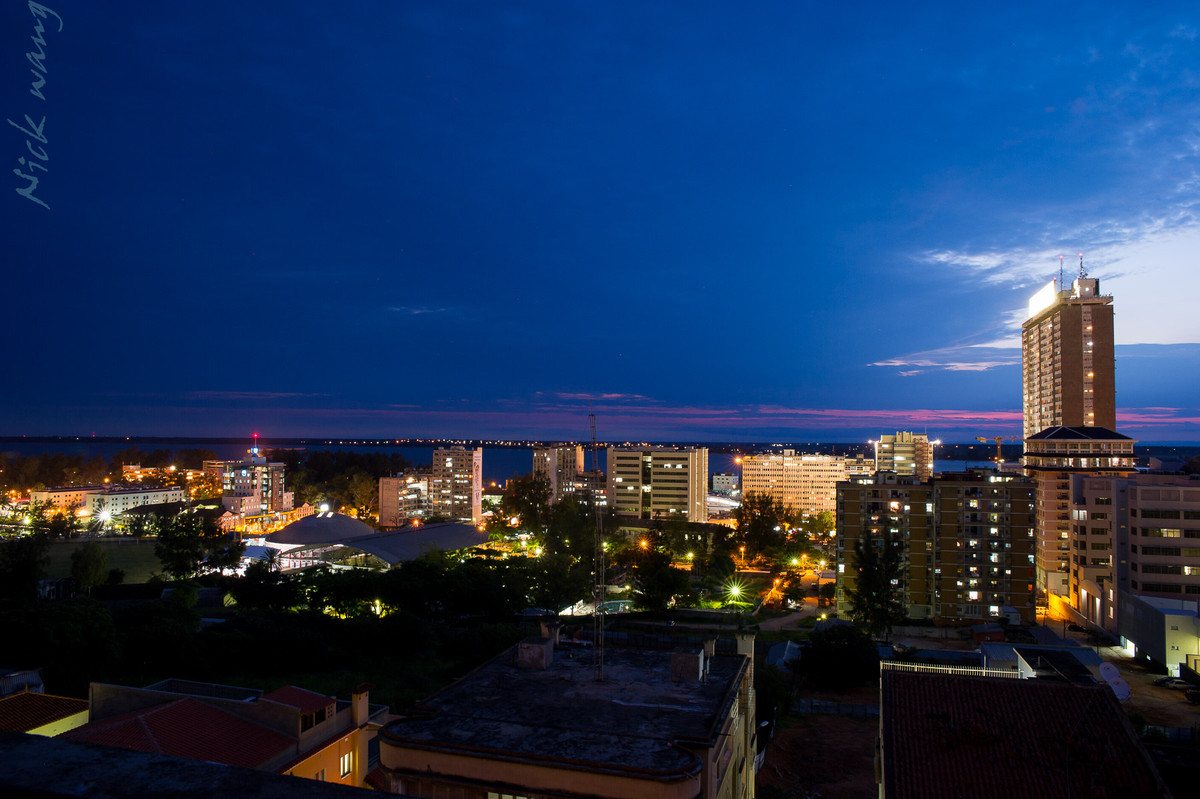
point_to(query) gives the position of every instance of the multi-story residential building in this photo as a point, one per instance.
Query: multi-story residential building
(967, 539)
(535, 722)
(456, 487)
(252, 486)
(1052, 456)
(654, 482)
(1067, 362)
(807, 483)
(1136, 535)
(402, 498)
(115, 501)
(560, 467)
(905, 453)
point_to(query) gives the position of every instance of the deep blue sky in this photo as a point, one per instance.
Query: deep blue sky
(772, 221)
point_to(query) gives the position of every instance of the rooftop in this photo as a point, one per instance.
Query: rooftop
(187, 728)
(954, 736)
(1061, 433)
(628, 722)
(28, 711)
(303, 700)
(410, 543)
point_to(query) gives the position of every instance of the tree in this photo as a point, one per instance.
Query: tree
(23, 562)
(658, 584)
(528, 499)
(761, 521)
(89, 566)
(188, 540)
(876, 600)
(839, 657)
(817, 526)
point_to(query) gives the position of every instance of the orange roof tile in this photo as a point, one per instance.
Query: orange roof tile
(188, 728)
(949, 736)
(301, 699)
(27, 711)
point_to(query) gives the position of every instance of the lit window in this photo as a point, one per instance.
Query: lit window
(346, 762)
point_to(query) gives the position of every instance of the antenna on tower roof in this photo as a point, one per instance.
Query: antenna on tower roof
(1082, 271)
(1060, 276)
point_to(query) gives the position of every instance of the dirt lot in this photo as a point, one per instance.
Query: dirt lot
(826, 756)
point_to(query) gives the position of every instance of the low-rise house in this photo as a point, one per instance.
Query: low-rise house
(289, 731)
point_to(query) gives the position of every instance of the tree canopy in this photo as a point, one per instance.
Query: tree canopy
(877, 599)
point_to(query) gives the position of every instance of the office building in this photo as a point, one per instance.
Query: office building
(1067, 362)
(535, 722)
(967, 539)
(65, 497)
(659, 482)
(1052, 456)
(905, 453)
(560, 467)
(456, 488)
(403, 498)
(806, 483)
(725, 483)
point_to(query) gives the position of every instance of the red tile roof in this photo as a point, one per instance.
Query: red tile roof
(953, 736)
(27, 711)
(188, 728)
(299, 698)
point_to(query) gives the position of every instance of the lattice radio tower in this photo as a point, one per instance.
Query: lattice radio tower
(598, 590)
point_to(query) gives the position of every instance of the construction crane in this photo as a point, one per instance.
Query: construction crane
(999, 440)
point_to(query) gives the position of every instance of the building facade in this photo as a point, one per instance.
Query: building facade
(252, 486)
(1137, 535)
(560, 467)
(659, 482)
(403, 498)
(1052, 457)
(456, 487)
(807, 483)
(967, 539)
(1067, 361)
(115, 501)
(905, 453)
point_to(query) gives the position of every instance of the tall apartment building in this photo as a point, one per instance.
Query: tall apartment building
(806, 483)
(905, 453)
(967, 538)
(1067, 362)
(653, 482)
(1133, 535)
(456, 489)
(402, 498)
(252, 486)
(1052, 457)
(560, 467)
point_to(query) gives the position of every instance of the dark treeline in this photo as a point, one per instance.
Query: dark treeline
(25, 472)
(340, 478)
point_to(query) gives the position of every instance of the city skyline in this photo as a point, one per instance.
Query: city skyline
(786, 222)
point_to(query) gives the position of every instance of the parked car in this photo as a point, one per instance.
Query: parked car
(1175, 684)
(1193, 695)
(1075, 628)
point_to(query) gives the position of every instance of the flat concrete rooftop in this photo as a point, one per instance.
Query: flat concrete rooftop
(562, 713)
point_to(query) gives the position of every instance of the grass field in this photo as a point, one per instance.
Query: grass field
(135, 557)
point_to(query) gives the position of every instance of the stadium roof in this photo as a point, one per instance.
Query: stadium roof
(410, 543)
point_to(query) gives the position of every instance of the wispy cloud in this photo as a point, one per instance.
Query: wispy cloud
(251, 395)
(416, 310)
(600, 397)
(960, 358)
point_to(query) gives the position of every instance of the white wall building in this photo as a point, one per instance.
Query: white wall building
(456, 489)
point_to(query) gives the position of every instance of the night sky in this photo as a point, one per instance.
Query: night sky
(754, 221)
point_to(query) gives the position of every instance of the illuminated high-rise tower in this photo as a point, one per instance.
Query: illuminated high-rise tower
(1067, 358)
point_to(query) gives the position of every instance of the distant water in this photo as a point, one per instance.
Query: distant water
(499, 463)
